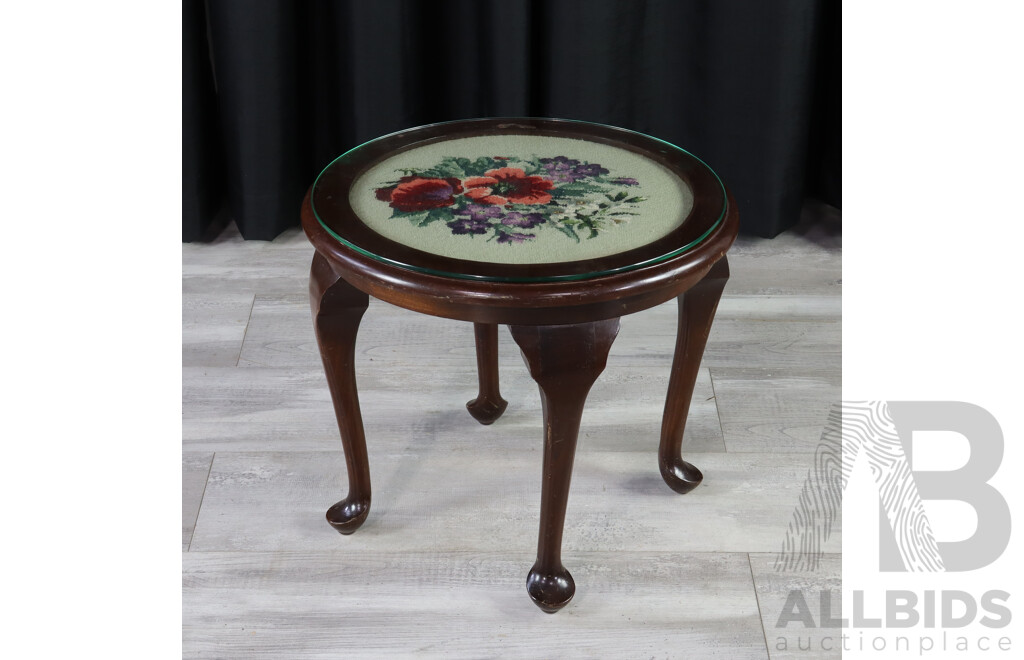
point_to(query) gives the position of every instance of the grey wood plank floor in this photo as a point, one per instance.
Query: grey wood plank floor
(439, 568)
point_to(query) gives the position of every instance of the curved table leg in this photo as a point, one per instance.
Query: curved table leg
(337, 309)
(488, 405)
(565, 360)
(696, 312)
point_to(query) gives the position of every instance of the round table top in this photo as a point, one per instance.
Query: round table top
(519, 200)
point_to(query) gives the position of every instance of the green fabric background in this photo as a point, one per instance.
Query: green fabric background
(668, 201)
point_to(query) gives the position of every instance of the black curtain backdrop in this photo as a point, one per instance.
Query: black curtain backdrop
(273, 90)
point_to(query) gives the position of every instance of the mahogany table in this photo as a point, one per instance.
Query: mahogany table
(555, 228)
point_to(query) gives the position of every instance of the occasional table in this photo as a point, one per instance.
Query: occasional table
(554, 228)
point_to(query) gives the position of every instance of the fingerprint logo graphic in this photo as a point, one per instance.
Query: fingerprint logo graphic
(821, 501)
(869, 428)
(853, 429)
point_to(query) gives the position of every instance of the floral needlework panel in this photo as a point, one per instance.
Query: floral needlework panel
(521, 199)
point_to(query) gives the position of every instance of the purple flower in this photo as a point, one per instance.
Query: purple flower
(560, 168)
(559, 162)
(567, 170)
(526, 221)
(469, 225)
(626, 181)
(480, 212)
(514, 238)
(590, 169)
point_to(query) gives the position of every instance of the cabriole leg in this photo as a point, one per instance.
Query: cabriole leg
(488, 405)
(337, 309)
(565, 360)
(696, 312)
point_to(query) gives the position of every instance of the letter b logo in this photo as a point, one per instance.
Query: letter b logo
(902, 529)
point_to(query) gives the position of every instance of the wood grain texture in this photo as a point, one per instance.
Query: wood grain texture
(465, 605)
(806, 260)
(278, 409)
(212, 328)
(779, 308)
(283, 584)
(772, 409)
(744, 334)
(281, 335)
(744, 504)
(231, 265)
(792, 641)
(195, 469)
(797, 344)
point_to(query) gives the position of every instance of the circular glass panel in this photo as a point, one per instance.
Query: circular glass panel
(519, 200)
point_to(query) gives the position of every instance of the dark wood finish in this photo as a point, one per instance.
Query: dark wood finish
(337, 309)
(488, 405)
(563, 327)
(330, 196)
(565, 360)
(507, 303)
(696, 312)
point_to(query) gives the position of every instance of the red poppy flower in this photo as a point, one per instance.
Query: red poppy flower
(508, 185)
(413, 193)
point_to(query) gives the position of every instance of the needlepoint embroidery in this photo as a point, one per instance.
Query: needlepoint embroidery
(513, 200)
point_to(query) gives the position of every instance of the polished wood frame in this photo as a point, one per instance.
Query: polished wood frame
(329, 198)
(564, 329)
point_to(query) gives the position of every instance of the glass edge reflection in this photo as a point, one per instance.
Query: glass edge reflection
(524, 280)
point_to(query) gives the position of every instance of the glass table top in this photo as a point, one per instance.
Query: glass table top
(519, 200)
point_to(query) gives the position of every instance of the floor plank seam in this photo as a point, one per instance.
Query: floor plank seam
(825, 320)
(426, 552)
(241, 346)
(718, 410)
(273, 584)
(757, 599)
(199, 510)
(645, 450)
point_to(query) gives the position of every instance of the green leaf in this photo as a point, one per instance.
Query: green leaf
(435, 215)
(477, 167)
(460, 165)
(568, 231)
(395, 213)
(589, 224)
(532, 167)
(577, 189)
(449, 168)
(634, 200)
